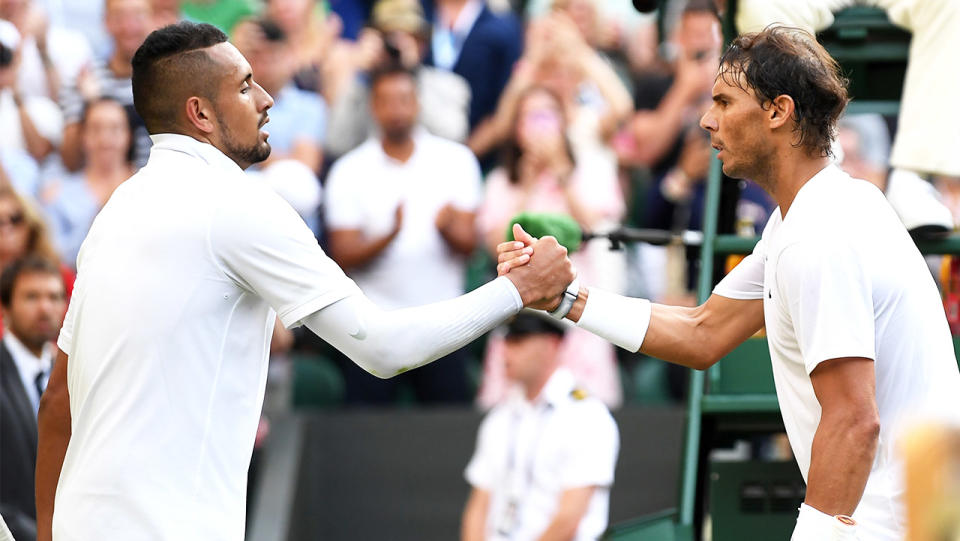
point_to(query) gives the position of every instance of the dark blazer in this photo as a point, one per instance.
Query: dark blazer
(18, 451)
(486, 60)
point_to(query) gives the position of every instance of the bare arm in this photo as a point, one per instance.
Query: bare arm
(54, 434)
(475, 515)
(573, 505)
(36, 144)
(457, 227)
(846, 439)
(696, 337)
(350, 248)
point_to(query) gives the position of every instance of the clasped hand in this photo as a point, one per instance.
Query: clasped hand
(539, 268)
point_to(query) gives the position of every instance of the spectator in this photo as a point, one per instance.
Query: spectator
(541, 174)
(318, 52)
(399, 34)
(545, 456)
(128, 22)
(73, 202)
(596, 102)
(33, 301)
(394, 203)
(49, 53)
(29, 125)
(471, 41)
(297, 119)
(23, 233)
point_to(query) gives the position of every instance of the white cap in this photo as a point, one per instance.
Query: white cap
(9, 36)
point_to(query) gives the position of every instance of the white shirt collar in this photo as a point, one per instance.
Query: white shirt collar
(188, 145)
(419, 136)
(28, 364)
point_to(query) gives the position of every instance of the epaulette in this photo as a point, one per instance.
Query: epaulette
(578, 394)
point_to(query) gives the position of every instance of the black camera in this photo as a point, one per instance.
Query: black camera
(6, 56)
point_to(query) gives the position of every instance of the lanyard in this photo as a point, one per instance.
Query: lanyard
(520, 481)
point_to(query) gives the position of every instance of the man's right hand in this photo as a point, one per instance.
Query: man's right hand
(543, 279)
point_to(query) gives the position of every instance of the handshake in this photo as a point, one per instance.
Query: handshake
(539, 268)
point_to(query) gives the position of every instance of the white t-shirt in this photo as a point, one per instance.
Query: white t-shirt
(168, 330)
(530, 453)
(43, 112)
(840, 277)
(363, 191)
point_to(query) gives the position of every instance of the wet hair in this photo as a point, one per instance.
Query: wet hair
(170, 66)
(781, 60)
(20, 267)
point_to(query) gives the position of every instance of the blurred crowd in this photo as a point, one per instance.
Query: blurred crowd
(407, 134)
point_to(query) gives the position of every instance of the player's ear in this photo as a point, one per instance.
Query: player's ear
(781, 110)
(200, 114)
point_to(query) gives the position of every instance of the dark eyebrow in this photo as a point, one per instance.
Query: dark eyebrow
(721, 96)
(248, 78)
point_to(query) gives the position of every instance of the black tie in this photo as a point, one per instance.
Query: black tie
(41, 382)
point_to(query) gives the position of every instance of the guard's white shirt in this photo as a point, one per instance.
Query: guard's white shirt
(529, 453)
(363, 191)
(840, 277)
(29, 365)
(168, 330)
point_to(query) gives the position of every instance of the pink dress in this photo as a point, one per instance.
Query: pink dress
(591, 359)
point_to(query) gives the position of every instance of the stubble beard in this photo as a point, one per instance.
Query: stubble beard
(245, 155)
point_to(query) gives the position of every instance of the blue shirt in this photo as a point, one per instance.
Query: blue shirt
(296, 114)
(70, 215)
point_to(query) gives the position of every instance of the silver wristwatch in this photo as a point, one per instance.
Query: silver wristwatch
(567, 300)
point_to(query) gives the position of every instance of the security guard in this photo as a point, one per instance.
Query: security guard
(545, 456)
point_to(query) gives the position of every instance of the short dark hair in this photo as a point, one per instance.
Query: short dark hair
(24, 265)
(781, 60)
(390, 69)
(272, 31)
(158, 83)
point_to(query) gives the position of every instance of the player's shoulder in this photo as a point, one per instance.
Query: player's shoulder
(446, 149)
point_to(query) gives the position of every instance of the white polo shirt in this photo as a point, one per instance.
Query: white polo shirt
(840, 277)
(365, 187)
(529, 453)
(168, 330)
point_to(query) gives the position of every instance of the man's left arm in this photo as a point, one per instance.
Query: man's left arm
(458, 228)
(846, 439)
(573, 505)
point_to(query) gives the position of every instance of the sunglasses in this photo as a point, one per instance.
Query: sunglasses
(13, 220)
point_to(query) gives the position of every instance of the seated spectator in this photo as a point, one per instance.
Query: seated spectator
(49, 53)
(33, 301)
(395, 202)
(297, 119)
(23, 233)
(478, 45)
(541, 174)
(29, 124)
(546, 454)
(399, 34)
(128, 22)
(595, 101)
(71, 203)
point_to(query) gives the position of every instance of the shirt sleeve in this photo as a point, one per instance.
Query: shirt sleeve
(745, 281)
(480, 471)
(469, 190)
(829, 298)
(592, 456)
(342, 203)
(263, 245)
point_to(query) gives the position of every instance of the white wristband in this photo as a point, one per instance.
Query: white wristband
(620, 320)
(814, 525)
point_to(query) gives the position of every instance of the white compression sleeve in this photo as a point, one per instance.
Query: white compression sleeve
(390, 342)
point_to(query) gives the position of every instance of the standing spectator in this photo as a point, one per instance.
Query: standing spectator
(73, 202)
(128, 22)
(297, 119)
(545, 455)
(315, 39)
(49, 53)
(394, 203)
(33, 301)
(471, 41)
(30, 125)
(400, 33)
(540, 174)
